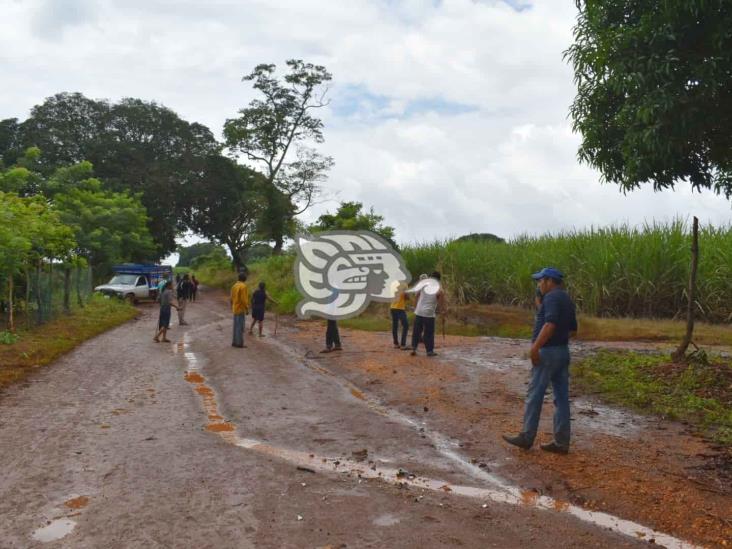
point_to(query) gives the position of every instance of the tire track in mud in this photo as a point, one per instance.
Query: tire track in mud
(501, 491)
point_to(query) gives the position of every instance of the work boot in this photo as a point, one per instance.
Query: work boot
(555, 448)
(432, 353)
(519, 440)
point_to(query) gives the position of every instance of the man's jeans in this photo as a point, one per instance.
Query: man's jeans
(239, 321)
(399, 316)
(553, 368)
(424, 330)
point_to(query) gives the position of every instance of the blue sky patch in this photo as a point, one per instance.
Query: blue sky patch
(356, 101)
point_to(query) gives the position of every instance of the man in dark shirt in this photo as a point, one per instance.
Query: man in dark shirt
(184, 294)
(555, 321)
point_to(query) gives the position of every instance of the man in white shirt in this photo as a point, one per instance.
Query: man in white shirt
(431, 298)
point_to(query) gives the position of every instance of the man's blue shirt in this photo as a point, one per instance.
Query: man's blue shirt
(557, 308)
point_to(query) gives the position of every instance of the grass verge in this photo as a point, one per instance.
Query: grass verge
(699, 392)
(44, 344)
(517, 322)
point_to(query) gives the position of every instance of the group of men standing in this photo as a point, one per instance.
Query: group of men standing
(185, 291)
(429, 301)
(554, 323)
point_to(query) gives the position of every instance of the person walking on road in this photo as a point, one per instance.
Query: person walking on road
(195, 287)
(240, 308)
(166, 302)
(555, 322)
(398, 312)
(259, 300)
(184, 295)
(430, 298)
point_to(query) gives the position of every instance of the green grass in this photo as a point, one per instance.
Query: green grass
(42, 345)
(699, 392)
(275, 272)
(517, 322)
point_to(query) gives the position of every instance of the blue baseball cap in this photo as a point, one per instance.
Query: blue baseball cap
(548, 272)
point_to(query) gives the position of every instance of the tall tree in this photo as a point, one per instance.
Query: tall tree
(135, 146)
(654, 91)
(272, 128)
(68, 128)
(30, 231)
(10, 148)
(108, 226)
(187, 254)
(227, 206)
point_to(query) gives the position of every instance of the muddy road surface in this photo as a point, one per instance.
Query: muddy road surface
(194, 443)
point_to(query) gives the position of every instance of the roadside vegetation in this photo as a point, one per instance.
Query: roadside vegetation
(27, 349)
(628, 283)
(698, 392)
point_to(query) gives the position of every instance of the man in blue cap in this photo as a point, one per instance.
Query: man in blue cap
(555, 321)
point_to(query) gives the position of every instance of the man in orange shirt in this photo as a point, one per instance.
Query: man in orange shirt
(240, 308)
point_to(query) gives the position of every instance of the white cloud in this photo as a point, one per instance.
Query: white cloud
(448, 117)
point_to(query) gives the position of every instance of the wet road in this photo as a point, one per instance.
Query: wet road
(125, 443)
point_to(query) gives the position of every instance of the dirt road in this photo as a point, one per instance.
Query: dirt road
(128, 443)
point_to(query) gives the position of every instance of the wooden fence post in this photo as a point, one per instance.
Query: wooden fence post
(680, 352)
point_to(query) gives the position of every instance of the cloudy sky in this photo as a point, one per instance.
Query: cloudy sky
(446, 116)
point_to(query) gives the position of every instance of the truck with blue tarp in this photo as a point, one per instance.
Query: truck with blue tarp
(135, 281)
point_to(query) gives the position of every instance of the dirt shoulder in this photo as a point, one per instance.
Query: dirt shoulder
(43, 344)
(650, 470)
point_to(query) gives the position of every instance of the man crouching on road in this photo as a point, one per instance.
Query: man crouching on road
(555, 321)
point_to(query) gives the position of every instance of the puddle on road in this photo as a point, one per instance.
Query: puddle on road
(386, 520)
(56, 530)
(503, 493)
(594, 417)
(479, 356)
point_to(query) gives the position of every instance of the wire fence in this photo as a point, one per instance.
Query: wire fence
(43, 293)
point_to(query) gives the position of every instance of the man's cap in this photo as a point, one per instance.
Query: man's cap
(548, 272)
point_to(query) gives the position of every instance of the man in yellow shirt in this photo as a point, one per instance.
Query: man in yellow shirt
(399, 315)
(240, 308)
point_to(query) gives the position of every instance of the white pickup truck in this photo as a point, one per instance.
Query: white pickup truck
(128, 286)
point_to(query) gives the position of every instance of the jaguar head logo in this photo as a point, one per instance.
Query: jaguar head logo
(338, 273)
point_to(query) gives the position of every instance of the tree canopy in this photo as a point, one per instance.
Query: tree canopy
(273, 128)
(350, 217)
(654, 91)
(227, 205)
(136, 146)
(188, 254)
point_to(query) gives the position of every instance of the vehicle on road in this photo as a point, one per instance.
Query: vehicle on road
(135, 281)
